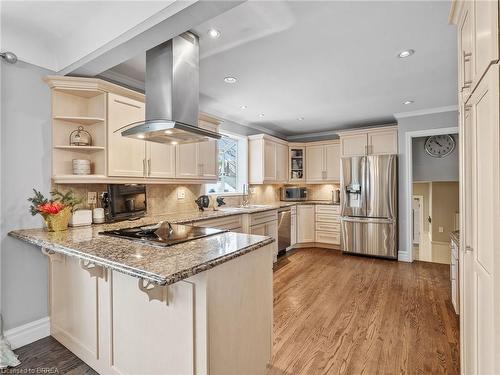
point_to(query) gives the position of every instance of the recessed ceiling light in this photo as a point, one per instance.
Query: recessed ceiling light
(408, 102)
(261, 115)
(141, 136)
(230, 80)
(168, 131)
(243, 107)
(301, 119)
(214, 33)
(406, 53)
(173, 143)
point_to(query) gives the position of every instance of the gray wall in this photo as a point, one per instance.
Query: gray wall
(25, 164)
(409, 124)
(426, 168)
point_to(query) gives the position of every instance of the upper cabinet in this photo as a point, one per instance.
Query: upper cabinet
(296, 163)
(198, 160)
(478, 47)
(323, 162)
(102, 108)
(378, 141)
(268, 160)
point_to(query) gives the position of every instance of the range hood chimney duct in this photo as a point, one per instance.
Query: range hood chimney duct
(172, 94)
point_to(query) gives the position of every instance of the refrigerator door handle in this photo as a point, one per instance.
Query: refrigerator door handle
(367, 220)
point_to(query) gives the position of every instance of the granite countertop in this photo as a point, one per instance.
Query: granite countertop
(161, 265)
(455, 237)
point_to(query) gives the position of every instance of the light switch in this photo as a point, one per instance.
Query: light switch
(181, 193)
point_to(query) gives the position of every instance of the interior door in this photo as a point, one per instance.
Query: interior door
(126, 156)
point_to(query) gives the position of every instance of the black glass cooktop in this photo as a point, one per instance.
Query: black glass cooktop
(163, 234)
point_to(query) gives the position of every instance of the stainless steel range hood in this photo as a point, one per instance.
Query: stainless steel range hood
(172, 95)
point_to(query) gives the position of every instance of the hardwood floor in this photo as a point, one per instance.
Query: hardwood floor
(339, 314)
(336, 314)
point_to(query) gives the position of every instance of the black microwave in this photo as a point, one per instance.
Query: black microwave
(124, 202)
(293, 193)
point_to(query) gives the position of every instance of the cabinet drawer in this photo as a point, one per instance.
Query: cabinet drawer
(328, 237)
(328, 218)
(263, 217)
(231, 222)
(328, 227)
(327, 209)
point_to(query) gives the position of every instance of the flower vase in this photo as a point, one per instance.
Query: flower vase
(58, 222)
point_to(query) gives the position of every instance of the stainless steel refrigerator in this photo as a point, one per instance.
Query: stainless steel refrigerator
(369, 195)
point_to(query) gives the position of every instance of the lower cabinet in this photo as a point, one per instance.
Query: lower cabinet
(265, 224)
(305, 223)
(293, 226)
(218, 321)
(327, 224)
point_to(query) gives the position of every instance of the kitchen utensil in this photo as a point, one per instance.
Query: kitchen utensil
(203, 201)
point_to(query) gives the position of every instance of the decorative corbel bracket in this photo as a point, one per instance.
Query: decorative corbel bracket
(53, 256)
(93, 269)
(154, 291)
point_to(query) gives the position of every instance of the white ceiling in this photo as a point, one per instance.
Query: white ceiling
(333, 63)
(54, 34)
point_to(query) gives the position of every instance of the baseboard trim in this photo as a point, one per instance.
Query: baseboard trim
(404, 256)
(28, 333)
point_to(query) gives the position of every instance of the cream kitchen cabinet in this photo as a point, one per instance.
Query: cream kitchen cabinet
(478, 28)
(378, 141)
(322, 162)
(129, 157)
(197, 160)
(264, 224)
(126, 156)
(268, 159)
(305, 223)
(327, 223)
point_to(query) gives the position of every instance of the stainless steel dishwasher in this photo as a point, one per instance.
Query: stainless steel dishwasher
(284, 229)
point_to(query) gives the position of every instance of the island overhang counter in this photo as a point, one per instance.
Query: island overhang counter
(200, 307)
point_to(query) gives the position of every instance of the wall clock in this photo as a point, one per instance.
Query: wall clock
(439, 146)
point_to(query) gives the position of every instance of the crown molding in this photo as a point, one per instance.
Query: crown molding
(428, 111)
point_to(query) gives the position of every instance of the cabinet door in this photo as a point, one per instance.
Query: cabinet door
(259, 229)
(269, 161)
(465, 38)
(332, 160)
(482, 241)
(485, 36)
(315, 171)
(305, 223)
(207, 159)
(383, 142)
(160, 160)
(126, 156)
(354, 145)
(186, 161)
(281, 162)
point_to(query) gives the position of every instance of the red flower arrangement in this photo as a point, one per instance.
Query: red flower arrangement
(56, 212)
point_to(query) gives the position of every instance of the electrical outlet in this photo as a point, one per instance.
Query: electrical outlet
(91, 197)
(441, 229)
(252, 190)
(181, 194)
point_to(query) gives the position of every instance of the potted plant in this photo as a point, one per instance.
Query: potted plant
(57, 211)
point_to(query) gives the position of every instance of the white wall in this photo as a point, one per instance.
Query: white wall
(409, 124)
(25, 164)
(426, 168)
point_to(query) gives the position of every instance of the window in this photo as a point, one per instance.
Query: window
(232, 165)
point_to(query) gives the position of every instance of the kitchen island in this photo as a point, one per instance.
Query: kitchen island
(124, 307)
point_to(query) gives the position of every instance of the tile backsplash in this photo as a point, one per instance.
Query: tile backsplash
(164, 198)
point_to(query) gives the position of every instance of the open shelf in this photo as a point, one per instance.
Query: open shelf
(82, 120)
(81, 148)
